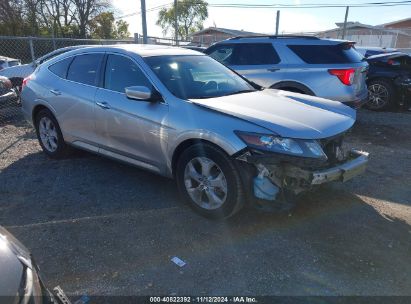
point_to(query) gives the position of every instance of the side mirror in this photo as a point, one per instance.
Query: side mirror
(142, 93)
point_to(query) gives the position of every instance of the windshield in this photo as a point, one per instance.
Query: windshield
(196, 76)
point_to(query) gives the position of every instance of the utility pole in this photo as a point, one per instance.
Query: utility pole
(175, 22)
(345, 22)
(144, 21)
(277, 23)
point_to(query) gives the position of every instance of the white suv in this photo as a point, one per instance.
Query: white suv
(325, 68)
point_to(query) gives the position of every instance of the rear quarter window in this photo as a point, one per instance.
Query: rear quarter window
(60, 68)
(326, 54)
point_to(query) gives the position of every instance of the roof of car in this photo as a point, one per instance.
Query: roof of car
(387, 55)
(374, 48)
(286, 39)
(144, 50)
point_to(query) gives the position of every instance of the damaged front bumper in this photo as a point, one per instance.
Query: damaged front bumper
(355, 165)
(273, 174)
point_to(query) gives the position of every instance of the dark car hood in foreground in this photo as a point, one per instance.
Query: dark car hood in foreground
(11, 270)
(286, 114)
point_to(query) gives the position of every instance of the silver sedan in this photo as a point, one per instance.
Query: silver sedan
(181, 114)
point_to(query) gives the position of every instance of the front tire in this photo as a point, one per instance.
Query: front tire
(49, 135)
(381, 95)
(209, 181)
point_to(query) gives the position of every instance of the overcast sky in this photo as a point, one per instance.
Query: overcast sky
(263, 20)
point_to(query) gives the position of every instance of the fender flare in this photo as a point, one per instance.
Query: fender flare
(197, 136)
(293, 84)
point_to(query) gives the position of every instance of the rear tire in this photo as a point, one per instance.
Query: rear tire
(209, 181)
(49, 135)
(381, 95)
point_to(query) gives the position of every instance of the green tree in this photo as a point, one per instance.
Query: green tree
(104, 27)
(12, 18)
(190, 17)
(86, 11)
(122, 29)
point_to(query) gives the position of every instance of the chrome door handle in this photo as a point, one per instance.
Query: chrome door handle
(273, 70)
(55, 92)
(103, 105)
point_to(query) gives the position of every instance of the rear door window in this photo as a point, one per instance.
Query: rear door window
(60, 68)
(255, 54)
(84, 69)
(327, 54)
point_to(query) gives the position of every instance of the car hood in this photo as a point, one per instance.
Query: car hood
(285, 113)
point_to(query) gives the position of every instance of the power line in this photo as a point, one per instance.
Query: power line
(147, 10)
(311, 5)
(284, 6)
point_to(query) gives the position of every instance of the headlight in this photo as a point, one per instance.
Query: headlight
(277, 144)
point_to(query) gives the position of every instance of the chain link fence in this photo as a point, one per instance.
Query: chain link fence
(375, 37)
(29, 49)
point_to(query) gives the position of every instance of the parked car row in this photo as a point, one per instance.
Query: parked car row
(331, 69)
(227, 136)
(271, 62)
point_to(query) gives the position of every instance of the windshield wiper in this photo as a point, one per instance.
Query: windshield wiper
(239, 92)
(201, 97)
(233, 93)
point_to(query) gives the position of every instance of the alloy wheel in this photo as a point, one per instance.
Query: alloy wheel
(205, 183)
(378, 96)
(48, 134)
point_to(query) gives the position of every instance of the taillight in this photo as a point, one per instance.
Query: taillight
(346, 76)
(25, 81)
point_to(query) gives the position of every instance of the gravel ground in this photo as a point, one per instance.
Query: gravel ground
(98, 227)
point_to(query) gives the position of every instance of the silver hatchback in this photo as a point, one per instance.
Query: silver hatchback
(181, 114)
(325, 68)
